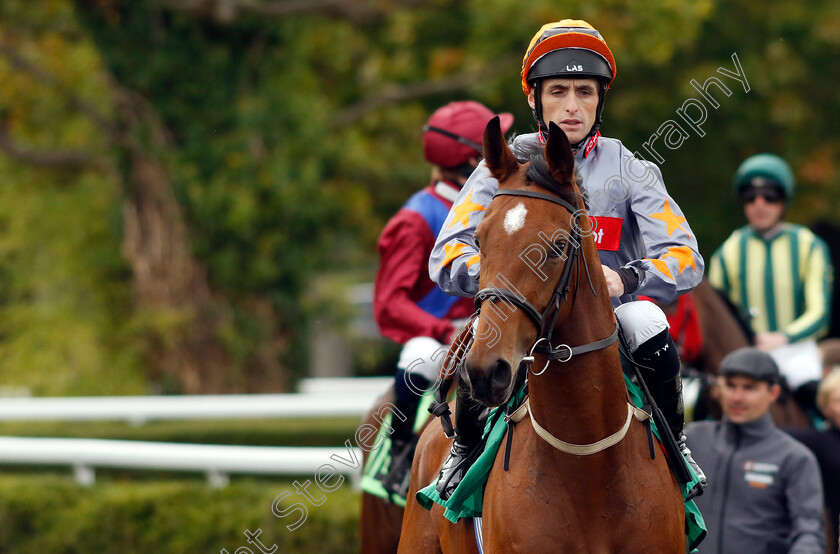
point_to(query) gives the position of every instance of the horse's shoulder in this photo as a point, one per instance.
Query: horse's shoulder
(432, 444)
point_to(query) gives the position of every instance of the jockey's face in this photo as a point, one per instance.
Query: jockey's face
(744, 399)
(570, 103)
(762, 214)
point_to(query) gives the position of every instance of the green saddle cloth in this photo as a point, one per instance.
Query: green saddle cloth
(466, 500)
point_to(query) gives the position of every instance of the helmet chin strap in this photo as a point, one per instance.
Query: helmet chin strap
(537, 113)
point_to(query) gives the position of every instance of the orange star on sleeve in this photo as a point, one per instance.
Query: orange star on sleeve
(463, 210)
(452, 251)
(683, 255)
(661, 266)
(672, 220)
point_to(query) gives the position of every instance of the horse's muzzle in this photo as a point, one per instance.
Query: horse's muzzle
(489, 384)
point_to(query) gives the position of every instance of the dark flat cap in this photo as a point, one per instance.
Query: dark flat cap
(751, 362)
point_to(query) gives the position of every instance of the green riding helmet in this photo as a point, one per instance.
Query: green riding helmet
(764, 170)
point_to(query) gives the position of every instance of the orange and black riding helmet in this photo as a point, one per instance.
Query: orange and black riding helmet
(570, 49)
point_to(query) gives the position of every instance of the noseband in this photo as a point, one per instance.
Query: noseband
(544, 321)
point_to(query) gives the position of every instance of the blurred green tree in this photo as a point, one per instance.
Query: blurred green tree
(192, 165)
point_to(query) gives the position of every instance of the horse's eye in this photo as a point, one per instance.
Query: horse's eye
(477, 244)
(557, 249)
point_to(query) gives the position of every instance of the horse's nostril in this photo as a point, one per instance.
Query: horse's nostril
(488, 383)
(500, 377)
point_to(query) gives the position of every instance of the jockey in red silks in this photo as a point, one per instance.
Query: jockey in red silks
(409, 308)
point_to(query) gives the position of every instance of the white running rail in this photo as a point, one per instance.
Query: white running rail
(318, 398)
(330, 398)
(217, 461)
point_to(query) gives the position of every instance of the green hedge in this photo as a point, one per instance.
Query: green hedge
(51, 513)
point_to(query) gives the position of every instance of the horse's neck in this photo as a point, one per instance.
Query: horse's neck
(590, 387)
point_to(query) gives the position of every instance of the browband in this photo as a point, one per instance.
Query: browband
(534, 194)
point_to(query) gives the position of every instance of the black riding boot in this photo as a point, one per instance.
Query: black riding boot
(665, 383)
(469, 425)
(671, 404)
(403, 443)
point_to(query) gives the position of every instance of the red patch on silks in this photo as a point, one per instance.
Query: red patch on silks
(606, 231)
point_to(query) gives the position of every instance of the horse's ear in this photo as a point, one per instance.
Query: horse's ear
(558, 154)
(499, 159)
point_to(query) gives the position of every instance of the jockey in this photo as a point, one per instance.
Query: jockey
(777, 274)
(409, 308)
(644, 241)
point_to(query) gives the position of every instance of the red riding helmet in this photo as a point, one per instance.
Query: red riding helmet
(454, 133)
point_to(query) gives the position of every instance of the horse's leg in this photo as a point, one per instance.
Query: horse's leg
(458, 537)
(380, 525)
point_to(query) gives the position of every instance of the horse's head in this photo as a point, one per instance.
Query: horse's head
(529, 244)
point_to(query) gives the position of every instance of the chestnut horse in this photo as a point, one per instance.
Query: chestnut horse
(614, 498)
(722, 332)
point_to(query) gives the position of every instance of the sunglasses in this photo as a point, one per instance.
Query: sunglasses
(771, 195)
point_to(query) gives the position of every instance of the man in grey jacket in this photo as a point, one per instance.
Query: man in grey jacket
(765, 491)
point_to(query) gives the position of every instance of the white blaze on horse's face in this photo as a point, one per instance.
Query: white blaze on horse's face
(515, 218)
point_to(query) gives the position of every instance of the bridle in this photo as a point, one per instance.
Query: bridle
(545, 321)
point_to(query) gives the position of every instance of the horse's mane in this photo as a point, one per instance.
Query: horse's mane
(539, 174)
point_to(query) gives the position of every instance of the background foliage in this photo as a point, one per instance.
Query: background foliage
(53, 514)
(287, 133)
